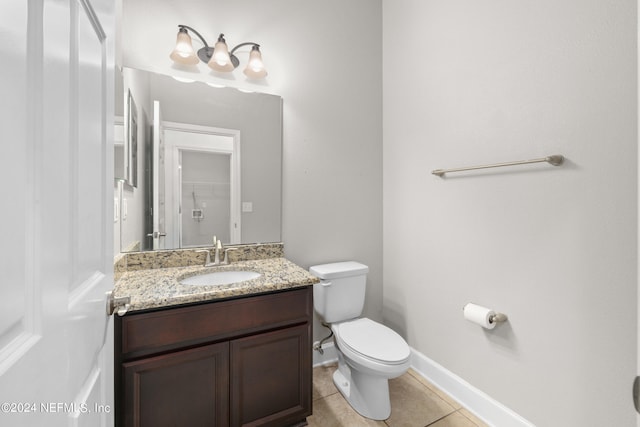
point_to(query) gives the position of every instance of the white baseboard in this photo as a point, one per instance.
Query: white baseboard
(476, 401)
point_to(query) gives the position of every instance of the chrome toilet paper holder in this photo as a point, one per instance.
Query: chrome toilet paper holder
(498, 318)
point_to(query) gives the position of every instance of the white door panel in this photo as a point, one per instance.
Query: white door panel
(15, 312)
(55, 336)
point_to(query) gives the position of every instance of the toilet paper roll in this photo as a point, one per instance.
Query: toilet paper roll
(479, 315)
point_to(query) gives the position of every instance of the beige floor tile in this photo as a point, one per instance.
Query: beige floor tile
(334, 411)
(413, 404)
(435, 389)
(477, 421)
(454, 420)
(323, 381)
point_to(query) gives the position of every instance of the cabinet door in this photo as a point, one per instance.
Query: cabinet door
(271, 378)
(185, 388)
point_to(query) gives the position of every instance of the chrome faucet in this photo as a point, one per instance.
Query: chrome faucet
(218, 250)
(207, 260)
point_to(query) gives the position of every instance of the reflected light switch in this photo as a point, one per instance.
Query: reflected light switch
(247, 206)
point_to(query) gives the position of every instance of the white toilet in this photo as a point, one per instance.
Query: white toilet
(369, 353)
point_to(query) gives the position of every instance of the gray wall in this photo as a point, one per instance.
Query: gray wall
(554, 248)
(333, 137)
(132, 228)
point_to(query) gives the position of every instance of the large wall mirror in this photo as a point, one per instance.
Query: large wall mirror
(200, 162)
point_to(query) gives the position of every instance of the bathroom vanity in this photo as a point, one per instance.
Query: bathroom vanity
(231, 355)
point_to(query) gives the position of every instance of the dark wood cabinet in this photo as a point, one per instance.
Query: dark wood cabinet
(240, 362)
(266, 393)
(184, 388)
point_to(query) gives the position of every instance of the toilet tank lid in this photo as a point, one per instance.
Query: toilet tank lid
(338, 269)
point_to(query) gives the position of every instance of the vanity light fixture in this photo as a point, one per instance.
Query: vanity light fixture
(218, 57)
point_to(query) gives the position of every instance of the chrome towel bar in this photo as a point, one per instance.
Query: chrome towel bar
(555, 160)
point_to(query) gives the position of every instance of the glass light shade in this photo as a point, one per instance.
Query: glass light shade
(183, 52)
(255, 67)
(220, 60)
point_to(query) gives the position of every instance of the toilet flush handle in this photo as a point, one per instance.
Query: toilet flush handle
(325, 283)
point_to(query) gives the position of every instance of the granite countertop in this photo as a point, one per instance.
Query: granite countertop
(157, 288)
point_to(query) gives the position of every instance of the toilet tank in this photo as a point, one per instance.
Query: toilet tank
(340, 294)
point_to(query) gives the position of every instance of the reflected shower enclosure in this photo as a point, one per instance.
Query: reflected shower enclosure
(205, 198)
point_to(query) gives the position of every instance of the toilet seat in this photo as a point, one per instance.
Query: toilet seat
(373, 341)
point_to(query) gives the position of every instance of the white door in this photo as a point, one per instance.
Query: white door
(56, 339)
(159, 227)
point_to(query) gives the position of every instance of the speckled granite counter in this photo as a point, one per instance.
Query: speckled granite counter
(147, 260)
(157, 288)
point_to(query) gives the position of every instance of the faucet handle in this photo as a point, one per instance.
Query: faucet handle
(226, 254)
(207, 260)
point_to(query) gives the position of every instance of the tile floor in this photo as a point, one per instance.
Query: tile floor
(414, 403)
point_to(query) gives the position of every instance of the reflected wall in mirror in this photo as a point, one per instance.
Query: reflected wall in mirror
(131, 142)
(118, 133)
(209, 162)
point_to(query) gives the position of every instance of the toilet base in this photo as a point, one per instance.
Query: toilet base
(367, 394)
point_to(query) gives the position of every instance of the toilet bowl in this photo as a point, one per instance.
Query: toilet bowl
(369, 353)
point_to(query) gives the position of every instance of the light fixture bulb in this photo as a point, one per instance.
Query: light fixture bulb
(183, 52)
(220, 60)
(255, 67)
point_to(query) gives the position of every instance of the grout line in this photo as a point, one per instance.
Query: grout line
(441, 418)
(324, 397)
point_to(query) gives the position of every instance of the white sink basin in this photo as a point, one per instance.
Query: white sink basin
(220, 278)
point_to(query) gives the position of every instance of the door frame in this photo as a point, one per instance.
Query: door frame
(173, 174)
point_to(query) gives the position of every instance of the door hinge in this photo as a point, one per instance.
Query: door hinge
(636, 393)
